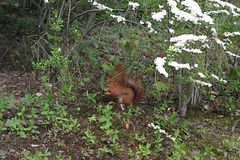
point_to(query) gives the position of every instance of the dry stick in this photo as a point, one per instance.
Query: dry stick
(67, 28)
(81, 14)
(90, 20)
(61, 9)
(41, 19)
(180, 92)
(234, 125)
(36, 4)
(75, 5)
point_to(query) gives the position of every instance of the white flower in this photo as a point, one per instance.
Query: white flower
(101, 6)
(159, 65)
(171, 30)
(231, 34)
(201, 75)
(196, 11)
(220, 42)
(195, 16)
(202, 83)
(232, 54)
(156, 127)
(191, 50)
(229, 5)
(214, 32)
(216, 38)
(149, 26)
(158, 16)
(46, 1)
(217, 78)
(133, 4)
(160, 6)
(39, 94)
(182, 40)
(218, 11)
(119, 18)
(178, 66)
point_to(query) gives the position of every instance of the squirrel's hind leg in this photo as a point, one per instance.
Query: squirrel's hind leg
(121, 105)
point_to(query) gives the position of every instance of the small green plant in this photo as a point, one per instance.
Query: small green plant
(130, 152)
(90, 137)
(104, 151)
(105, 119)
(159, 88)
(5, 105)
(231, 144)
(144, 150)
(158, 141)
(61, 120)
(92, 119)
(140, 138)
(201, 132)
(198, 157)
(16, 125)
(208, 151)
(91, 98)
(38, 155)
(61, 157)
(179, 148)
(116, 147)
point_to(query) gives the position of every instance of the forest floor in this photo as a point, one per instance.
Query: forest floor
(208, 134)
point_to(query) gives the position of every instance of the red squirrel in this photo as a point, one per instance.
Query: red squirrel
(126, 89)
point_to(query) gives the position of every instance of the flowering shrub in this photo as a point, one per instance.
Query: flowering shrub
(193, 33)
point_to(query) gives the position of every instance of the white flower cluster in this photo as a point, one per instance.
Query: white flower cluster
(201, 75)
(216, 38)
(219, 79)
(119, 18)
(196, 14)
(159, 65)
(218, 12)
(160, 62)
(205, 83)
(232, 54)
(156, 127)
(182, 40)
(202, 83)
(178, 66)
(158, 16)
(100, 6)
(232, 7)
(46, 1)
(191, 50)
(149, 26)
(133, 4)
(171, 30)
(231, 34)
